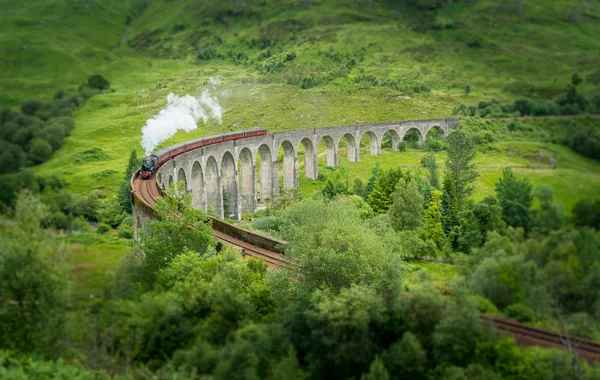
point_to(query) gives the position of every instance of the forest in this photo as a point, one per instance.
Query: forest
(393, 261)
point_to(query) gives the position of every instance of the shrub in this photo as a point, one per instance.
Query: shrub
(520, 312)
(40, 151)
(103, 228)
(98, 82)
(266, 223)
(125, 229)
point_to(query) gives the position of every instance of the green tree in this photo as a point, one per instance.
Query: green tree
(375, 172)
(433, 220)
(380, 198)
(515, 199)
(429, 162)
(34, 286)
(549, 217)
(124, 193)
(40, 151)
(358, 188)
(98, 82)
(406, 210)
(457, 334)
(587, 213)
(179, 227)
(377, 371)
(341, 328)
(449, 206)
(460, 166)
(406, 358)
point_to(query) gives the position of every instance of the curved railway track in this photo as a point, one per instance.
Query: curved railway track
(148, 193)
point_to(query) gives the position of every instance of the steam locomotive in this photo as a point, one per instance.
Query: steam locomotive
(148, 166)
(151, 163)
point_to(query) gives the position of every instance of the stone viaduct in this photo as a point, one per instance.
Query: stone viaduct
(228, 170)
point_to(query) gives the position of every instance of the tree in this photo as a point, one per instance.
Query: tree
(12, 157)
(549, 216)
(449, 206)
(125, 187)
(179, 227)
(358, 188)
(98, 82)
(406, 358)
(456, 336)
(576, 79)
(460, 166)
(375, 172)
(587, 213)
(515, 199)
(429, 162)
(40, 151)
(407, 210)
(433, 220)
(380, 198)
(467, 90)
(34, 286)
(341, 327)
(377, 371)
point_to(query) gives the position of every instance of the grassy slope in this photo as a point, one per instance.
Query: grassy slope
(52, 44)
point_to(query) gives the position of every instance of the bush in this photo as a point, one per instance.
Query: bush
(80, 224)
(40, 151)
(520, 312)
(98, 82)
(103, 228)
(266, 223)
(125, 230)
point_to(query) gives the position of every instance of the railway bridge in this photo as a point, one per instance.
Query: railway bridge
(230, 166)
(229, 169)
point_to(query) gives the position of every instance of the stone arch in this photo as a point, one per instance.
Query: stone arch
(181, 177)
(197, 186)
(439, 132)
(352, 146)
(392, 138)
(290, 162)
(159, 177)
(265, 164)
(230, 186)
(170, 180)
(330, 151)
(373, 142)
(413, 131)
(214, 195)
(247, 180)
(311, 169)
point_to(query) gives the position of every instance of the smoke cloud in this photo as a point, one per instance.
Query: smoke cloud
(181, 113)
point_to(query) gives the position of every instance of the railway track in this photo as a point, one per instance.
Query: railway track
(524, 335)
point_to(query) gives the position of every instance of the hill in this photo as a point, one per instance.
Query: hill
(284, 64)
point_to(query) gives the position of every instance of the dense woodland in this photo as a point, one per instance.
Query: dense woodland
(505, 205)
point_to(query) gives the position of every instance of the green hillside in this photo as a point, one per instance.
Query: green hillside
(284, 64)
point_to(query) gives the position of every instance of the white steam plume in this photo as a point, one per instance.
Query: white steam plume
(181, 113)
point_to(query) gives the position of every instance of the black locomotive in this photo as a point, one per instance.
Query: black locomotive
(148, 166)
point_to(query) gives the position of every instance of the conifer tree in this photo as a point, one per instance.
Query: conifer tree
(460, 166)
(433, 220)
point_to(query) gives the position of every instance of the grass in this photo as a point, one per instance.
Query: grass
(92, 260)
(501, 50)
(441, 275)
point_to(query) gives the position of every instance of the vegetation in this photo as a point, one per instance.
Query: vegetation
(392, 262)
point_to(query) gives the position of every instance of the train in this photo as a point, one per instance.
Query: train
(156, 160)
